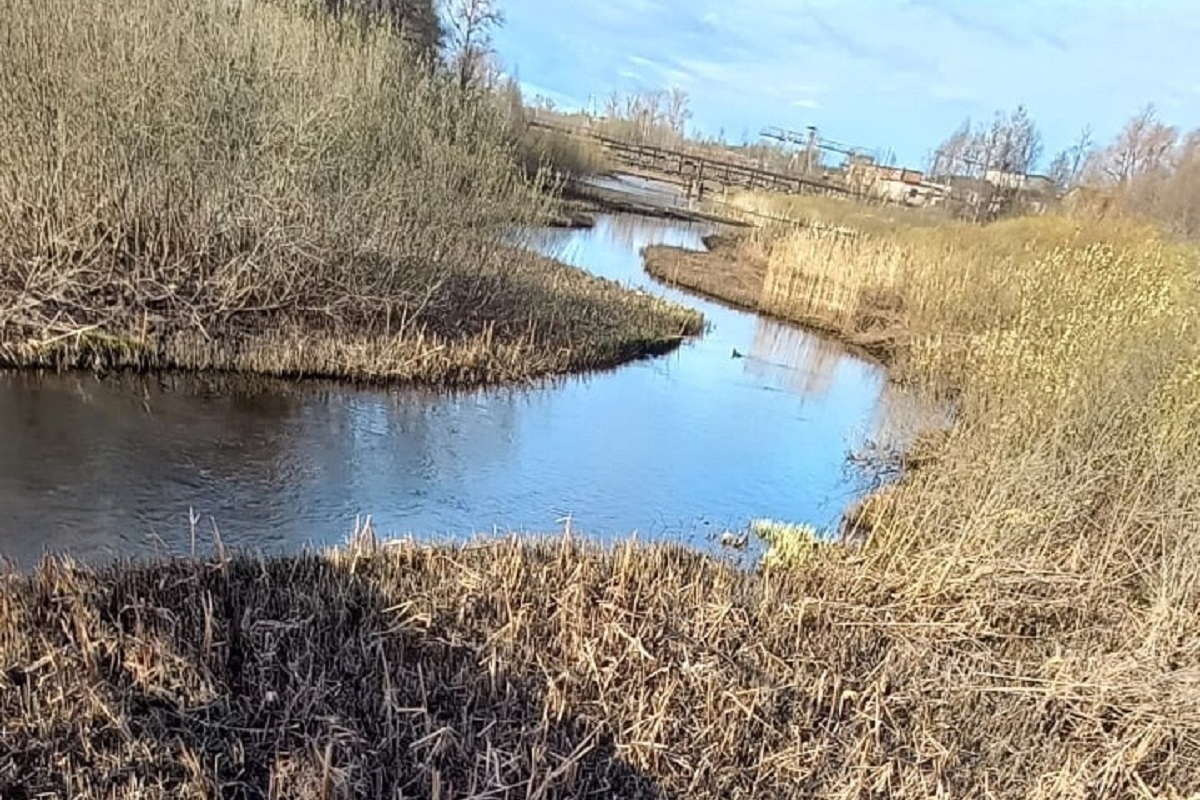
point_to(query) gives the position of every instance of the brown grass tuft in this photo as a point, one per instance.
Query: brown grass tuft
(554, 669)
(1054, 528)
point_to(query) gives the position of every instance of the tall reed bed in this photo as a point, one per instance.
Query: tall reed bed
(842, 271)
(557, 670)
(254, 185)
(563, 154)
(1063, 507)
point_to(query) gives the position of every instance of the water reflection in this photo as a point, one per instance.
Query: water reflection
(654, 192)
(792, 360)
(678, 447)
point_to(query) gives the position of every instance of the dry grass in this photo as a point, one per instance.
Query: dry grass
(1024, 620)
(253, 185)
(743, 271)
(1062, 509)
(541, 150)
(819, 211)
(557, 670)
(723, 270)
(541, 318)
(566, 155)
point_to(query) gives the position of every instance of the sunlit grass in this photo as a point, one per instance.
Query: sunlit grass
(1065, 502)
(790, 545)
(257, 186)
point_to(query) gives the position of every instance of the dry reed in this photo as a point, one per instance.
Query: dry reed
(552, 669)
(565, 155)
(1024, 620)
(251, 185)
(1059, 515)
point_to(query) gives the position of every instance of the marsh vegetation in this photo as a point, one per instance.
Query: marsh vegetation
(1054, 528)
(262, 187)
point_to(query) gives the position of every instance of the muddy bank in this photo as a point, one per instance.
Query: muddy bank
(728, 272)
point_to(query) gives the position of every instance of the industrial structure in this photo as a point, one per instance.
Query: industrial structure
(985, 195)
(799, 166)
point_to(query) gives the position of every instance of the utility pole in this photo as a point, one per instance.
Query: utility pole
(812, 149)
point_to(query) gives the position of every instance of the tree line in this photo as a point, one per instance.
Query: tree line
(1149, 168)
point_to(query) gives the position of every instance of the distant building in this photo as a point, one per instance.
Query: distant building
(892, 184)
(1032, 184)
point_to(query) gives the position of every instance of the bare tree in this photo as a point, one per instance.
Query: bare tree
(1059, 170)
(649, 116)
(1022, 143)
(1167, 191)
(612, 105)
(1066, 168)
(470, 37)
(954, 155)
(1011, 143)
(1142, 147)
(678, 109)
(995, 156)
(1081, 151)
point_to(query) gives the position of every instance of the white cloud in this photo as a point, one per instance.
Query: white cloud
(806, 102)
(656, 73)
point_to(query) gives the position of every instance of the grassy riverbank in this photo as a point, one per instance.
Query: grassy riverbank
(1023, 622)
(256, 186)
(1061, 515)
(555, 670)
(734, 271)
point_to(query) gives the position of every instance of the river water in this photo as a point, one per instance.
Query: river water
(678, 447)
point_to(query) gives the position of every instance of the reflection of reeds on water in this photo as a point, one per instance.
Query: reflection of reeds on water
(793, 359)
(902, 413)
(632, 231)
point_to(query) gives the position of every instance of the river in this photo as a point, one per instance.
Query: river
(679, 447)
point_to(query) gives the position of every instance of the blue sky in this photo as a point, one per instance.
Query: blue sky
(873, 73)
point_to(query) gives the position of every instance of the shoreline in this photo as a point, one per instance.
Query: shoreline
(548, 319)
(692, 270)
(723, 274)
(125, 361)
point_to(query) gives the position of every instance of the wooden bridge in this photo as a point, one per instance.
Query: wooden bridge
(696, 172)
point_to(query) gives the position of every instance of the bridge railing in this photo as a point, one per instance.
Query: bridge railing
(689, 163)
